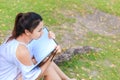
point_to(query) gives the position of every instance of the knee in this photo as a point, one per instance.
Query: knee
(49, 69)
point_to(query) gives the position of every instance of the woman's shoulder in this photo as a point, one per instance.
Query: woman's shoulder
(22, 48)
(9, 44)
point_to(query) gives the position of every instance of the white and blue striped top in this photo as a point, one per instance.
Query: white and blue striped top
(11, 67)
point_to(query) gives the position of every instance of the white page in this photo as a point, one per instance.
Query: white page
(42, 47)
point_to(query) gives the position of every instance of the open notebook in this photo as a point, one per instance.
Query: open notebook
(42, 47)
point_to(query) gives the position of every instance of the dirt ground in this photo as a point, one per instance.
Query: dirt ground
(97, 22)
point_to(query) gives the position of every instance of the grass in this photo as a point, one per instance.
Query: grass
(109, 6)
(96, 66)
(103, 65)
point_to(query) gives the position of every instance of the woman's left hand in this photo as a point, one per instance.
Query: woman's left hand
(51, 35)
(57, 50)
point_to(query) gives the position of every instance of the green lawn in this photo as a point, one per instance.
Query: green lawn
(96, 66)
(104, 65)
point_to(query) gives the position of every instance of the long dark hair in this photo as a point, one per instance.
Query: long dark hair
(28, 21)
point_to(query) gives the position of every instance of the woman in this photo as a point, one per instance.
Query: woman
(16, 62)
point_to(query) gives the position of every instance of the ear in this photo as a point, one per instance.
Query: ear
(27, 32)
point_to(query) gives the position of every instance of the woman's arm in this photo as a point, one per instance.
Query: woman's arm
(45, 66)
(23, 55)
(48, 61)
(26, 64)
(50, 58)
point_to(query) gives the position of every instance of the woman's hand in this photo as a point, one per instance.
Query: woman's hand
(33, 60)
(51, 35)
(57, 50)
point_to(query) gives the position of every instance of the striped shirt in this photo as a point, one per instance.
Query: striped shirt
(11, 67)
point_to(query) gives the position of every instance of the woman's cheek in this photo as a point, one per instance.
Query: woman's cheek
(38, 36)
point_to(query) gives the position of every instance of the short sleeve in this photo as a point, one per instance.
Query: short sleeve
(30, 72)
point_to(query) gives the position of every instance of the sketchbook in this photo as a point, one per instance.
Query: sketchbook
(42, 47)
